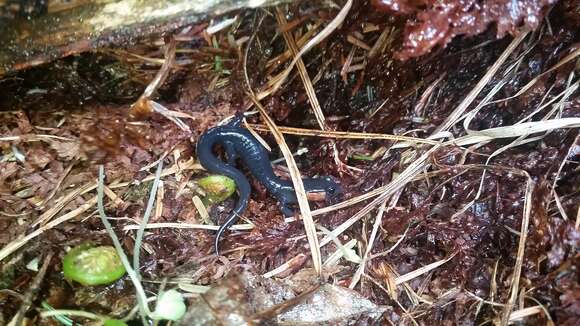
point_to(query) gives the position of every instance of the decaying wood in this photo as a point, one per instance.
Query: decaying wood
(30, 41)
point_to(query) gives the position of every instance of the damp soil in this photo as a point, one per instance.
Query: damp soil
(70, 116)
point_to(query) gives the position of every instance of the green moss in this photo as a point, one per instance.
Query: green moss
(114, 322)
(7, 277)
(138, 192)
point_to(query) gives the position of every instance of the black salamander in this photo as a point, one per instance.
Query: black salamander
(238, 142)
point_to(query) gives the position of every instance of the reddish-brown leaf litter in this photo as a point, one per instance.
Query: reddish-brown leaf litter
(60, 121)
(437, 23)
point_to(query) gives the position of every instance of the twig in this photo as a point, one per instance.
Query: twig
(32, 291)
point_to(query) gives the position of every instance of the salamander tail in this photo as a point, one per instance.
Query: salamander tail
(213, 164)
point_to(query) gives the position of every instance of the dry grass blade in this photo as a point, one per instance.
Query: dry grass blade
(515, 281)
(116, 201)
(577, 225)
(302, 71)
(287, 55)
(62, 202)
(398, 183)
(350, 202)
(309, 225)
(163, 72)
(347, 63)
(458, 112)
(527, 128)
(34, 137)
(357, 42)
(339, 253)
(394, 246)
(193, 288)
(313, 42)
(371, 242)
(71, 313)
(18, 243)
(257, 136)
(350, 255)
(411, 275)
(426, 96)
(292, 263)
(523, 313)
(187, 226)
(42, 203)
(569, 154)
(346, 134)
(201, 210)
(521, 129)
(565, 60)
(382, 42)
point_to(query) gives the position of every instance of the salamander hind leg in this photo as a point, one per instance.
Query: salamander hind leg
(231, 153)
(286, 198)
(286, 209)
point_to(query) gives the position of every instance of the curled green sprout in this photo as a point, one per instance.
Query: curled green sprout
(92, 265)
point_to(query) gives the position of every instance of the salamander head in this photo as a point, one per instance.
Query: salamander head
(333, 190)
(323, 188)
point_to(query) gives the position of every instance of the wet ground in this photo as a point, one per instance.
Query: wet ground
(69, 116)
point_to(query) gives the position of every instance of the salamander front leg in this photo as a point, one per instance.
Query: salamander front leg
(286, 209)
(237, 120)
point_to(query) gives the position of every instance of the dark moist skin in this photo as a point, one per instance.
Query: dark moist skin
(239, 143)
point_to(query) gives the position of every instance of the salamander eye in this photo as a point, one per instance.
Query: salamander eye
(331, 190)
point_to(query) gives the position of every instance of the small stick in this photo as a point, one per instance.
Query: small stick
(32, 291)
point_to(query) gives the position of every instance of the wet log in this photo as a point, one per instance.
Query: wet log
(35, 32)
